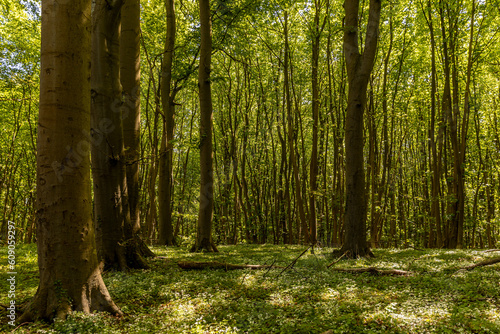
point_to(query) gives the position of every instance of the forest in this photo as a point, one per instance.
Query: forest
(250, 166)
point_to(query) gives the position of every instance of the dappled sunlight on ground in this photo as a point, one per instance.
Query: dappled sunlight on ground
(309, 298)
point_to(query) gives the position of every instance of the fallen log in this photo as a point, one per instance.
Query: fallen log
(189, 265)
(373, 270)
(488, 262)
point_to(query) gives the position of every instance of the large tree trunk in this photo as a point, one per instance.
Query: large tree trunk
(130, 75)
(130, 78)
(359, 67)
(115, 238)
(70, 278)
(166, 230)
(204, 231)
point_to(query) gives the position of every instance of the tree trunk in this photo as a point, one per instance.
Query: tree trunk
(70, 278)
(115, 238)
(313, 173)
(435, 237)
(359, 67)
(130, 75)
(204, 231)
(166, 230)
(290, 136)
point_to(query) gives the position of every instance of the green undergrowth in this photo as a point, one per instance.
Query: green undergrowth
(306, 299)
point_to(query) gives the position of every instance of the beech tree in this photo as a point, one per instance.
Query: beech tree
(205, 215)
(116, 240)
(70, 278)
(166, 229)
(280, 132)
(359, 66)
(130, 79)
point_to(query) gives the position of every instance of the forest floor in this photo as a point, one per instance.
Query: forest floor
(308, 298)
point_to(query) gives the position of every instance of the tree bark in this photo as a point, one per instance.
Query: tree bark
(204, 230)
(291, 146)
(359, 67)
(166, 230)
(130, 78)
(130, 75)
(314, 169)
(435, 236)
(70, 278)
(117, 245)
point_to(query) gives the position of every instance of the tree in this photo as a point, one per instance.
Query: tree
(115, 234)
(130, 79)
(317, 30)
(166, 230)
(359, 67)
(290, 135)
(205, 215)
(70, 278)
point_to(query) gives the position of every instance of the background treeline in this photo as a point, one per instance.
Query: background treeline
(432, 145)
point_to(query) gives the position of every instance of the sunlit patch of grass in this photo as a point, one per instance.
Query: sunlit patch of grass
(308, 298)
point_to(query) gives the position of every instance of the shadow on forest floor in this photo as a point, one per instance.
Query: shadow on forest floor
(307, 299)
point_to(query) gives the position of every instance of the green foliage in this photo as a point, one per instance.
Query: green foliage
(78, 322)
(306, 299)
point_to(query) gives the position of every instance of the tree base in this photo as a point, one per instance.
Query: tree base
(354, 253)
(204, 246)
(129, 255)
(143, 248)
(58, 299)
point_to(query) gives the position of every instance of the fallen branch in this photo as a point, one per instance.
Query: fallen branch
(373, 270)
(482, 263)
(270, 267)
(491, 250)
(290, 266)
(340, 258)
(187, 265)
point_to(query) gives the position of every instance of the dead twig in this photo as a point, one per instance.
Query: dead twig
(270, 267)
(337, 260)
(290, 266)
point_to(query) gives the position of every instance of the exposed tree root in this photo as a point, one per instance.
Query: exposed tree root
(130, 254)
(143, 248)
(188, 265)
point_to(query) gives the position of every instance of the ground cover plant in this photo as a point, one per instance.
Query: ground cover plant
(308, 298)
